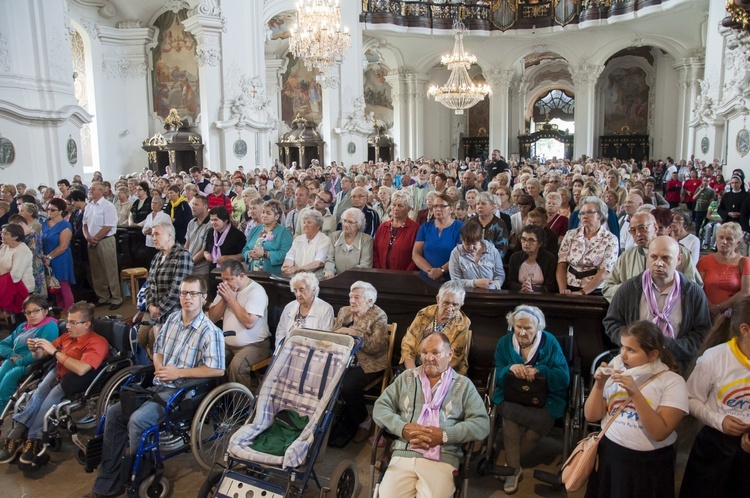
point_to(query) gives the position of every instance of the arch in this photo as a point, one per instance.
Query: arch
(89, 131)
(610, 48)
(275, 7)
(392, 57)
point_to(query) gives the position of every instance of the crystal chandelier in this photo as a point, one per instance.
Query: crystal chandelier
(317, 37)
(459, 92)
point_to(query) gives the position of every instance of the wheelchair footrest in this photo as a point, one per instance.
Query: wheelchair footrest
(237, 484)
(94, 448)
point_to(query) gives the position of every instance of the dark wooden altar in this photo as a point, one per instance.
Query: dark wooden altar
(380, 145)
(301, 144)
(179, 147)
(476, 147)
(624, 146)
(526, 142)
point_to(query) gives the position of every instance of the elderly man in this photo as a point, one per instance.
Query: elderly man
(468, 182)
(433, 410)
(632, 202)
(372, 219)
(301, 196)
(242, 305)
(195, 237)
(188, 347)
(633, 261)
(420, 189)
(666, 297)
(99, 228)
(343, 198)
(321, 203)
(170, 265)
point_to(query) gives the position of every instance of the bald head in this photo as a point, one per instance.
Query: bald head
(359, 197)
(632, 203)
(663, 258)
(642, 228)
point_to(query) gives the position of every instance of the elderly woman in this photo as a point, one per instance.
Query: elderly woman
(587, 253)
(309, 251)
(56, 235)
(364, 319)
(142, 205)
(679, 230)
(493, 228)
(446, 317)
(191, 192)
(394, 240)
(504, 205)
(30, 212)
(555, 221)
(350, 247)
(307, 311)
(157, 216)
(426, 214)
(532, 269)
(475, 262)
(252, 214)
(436, 240)
(725, 274)
(528, 355)
(14, 350)
(16, 275)
(382, 205)
(268, 242)
(538, 217)
(33, 241)
(471, 200)
(123, 203)
(519, 220)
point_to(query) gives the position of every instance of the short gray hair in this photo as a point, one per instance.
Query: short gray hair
(603, 209)
(487, 197)
(31, 208)
(403, 196)
(526, 311)
(157, 199)
(168, 227)
(371, 294)
(452, 287)
(356, 212)
(315, 215)
(306, 278)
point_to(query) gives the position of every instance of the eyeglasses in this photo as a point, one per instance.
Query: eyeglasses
(529, 240)
(589, 213)
(639, 228)
(33, 312)
(190, 293)
(440, 206)
(73, 322)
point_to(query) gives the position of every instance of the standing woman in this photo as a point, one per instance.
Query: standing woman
(730, 204)
(33, 241)
(179, 211)
(678, 229)
(155, 217)
(719, 462)
(436, 240)
(268, 243)
(637, 453)
(142, 205)
(726, 273)
(56, 235)
(16, 277)
(123, 203)
(382, 205)
(394, 240)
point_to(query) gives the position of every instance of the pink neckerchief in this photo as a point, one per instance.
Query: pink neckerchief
(661, 317)
(218, 241)
(430, 415)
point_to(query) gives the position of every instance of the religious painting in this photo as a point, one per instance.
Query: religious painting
(175, 73)
(705, 144)
(240, 148)
(626, 101)
(479, 114)
(743, 142)
(7, 153)
(72, 151)
(281, 24)
(300, 93)
(377, 91)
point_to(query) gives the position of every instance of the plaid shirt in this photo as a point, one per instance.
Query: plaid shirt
(164, 279)
(193, 345)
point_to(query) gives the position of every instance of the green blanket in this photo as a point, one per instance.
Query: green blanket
(287, 427)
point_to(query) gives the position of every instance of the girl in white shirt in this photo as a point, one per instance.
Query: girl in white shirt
(719, 394)
(637, 453)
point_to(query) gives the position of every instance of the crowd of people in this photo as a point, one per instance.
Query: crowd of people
(662, 242)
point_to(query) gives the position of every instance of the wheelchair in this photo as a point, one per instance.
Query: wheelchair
(77, 412)
(572, 422)
(26, 386)
(604, 356)
(200, 417)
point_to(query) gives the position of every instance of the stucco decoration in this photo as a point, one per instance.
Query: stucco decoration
(5, 60)
(356, 121)
(252, 103)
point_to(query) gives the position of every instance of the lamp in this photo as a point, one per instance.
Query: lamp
(459, 92)
(317, 37)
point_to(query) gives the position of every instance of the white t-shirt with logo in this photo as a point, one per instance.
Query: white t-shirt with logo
(254, 300)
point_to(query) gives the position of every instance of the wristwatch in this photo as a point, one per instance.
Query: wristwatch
(445, 437)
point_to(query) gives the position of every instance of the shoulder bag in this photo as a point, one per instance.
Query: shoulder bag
(53, 285)
(581, 463)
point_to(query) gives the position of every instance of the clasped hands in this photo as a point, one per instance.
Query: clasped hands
(422, 436)
(525, 372)
(167, 373)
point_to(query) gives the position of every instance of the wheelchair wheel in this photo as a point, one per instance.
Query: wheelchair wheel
(209, 485)
(345, 479)
(84, 417)
(110, 393)
(482, 466)
(220, 414)
(150, 488)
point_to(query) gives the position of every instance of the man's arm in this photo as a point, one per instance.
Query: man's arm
(78, 367)
(476, 423)
(385, 412)
(695, 312)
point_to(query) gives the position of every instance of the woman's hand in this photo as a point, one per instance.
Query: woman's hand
(745, 442)
(733, 426)
(328, 274)
(256, 253)
(627, 382)
(347, 331)
(289, 269)
(519, 371)
(531, 373)
(482, 283)
(435, 274)
(565, 291)
(527, 287)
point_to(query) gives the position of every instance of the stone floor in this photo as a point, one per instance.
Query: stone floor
(65, 478)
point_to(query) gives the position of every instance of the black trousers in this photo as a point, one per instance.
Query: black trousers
(717, 466)
(355, 409)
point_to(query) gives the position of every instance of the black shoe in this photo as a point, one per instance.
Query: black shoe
(340, 440)
(30, 449)
(11, 448)
(115, 307)
(101, 303)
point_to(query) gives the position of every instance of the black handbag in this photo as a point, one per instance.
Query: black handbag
(526, 393)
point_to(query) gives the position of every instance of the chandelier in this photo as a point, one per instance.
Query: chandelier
(317, 37)
(459, 92)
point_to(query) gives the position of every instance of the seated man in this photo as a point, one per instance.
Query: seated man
(448, 412)
(632, 262)
(446, 317)
(78, 352)
(242, 304)
(188, 346)
(665, 296)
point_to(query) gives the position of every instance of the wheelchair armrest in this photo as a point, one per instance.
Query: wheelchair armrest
(40, 365)
(381, 433)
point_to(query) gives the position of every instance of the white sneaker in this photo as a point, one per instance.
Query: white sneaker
(511, 482)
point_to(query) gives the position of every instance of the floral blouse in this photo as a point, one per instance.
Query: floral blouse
(257, 264)
(582, 254)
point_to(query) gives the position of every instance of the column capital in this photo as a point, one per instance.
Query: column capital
(499, 78)
(124, 51)
(207, 30)
(586, 73)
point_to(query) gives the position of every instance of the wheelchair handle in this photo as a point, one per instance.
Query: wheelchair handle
(229, 333)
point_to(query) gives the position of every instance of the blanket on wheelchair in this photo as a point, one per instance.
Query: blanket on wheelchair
(303, 378)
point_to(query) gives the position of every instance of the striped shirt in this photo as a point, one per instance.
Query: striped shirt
(189, 346)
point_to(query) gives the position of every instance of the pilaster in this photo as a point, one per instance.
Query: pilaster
(585, 76)
(499, 104)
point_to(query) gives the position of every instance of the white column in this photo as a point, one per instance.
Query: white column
(690, 71)
(585, 75)
(499, 103)
(400, 125)
(419, 95)
(274, 73)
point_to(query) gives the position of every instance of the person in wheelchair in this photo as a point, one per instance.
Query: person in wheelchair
(188, 346)
(528, 356)
(446, 317)
(364, 319)
(78, 352)
(14, 349)
(432, 410)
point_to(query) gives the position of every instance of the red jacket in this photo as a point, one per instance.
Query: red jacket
(219, 200)
(400, 257)
(674, 191)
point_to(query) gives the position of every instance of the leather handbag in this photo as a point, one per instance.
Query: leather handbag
(526, 393)
(53, 285)
(584, 458)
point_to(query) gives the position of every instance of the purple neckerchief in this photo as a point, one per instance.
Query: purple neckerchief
(430, 415)
(661, 317)
(218, 241)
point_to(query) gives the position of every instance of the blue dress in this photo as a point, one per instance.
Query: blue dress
(62, 265)
(439, 245)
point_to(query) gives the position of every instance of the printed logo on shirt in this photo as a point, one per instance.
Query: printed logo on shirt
(734, 397)
(626, 413)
